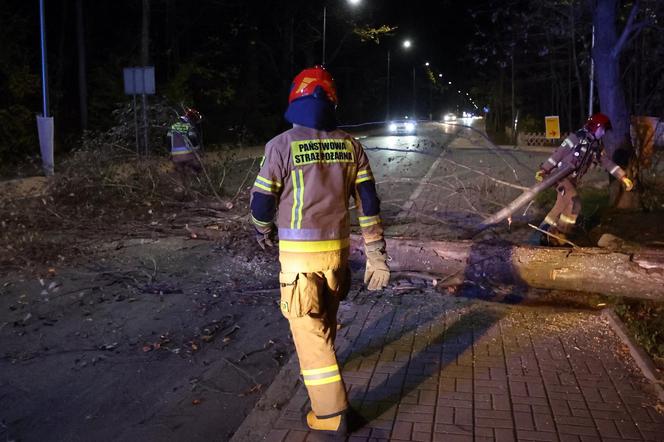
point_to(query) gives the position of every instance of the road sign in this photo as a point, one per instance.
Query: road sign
(552, 124)
(139, 80)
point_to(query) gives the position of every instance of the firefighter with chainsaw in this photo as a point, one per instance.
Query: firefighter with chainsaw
(307, 177)
(185, 144)
(579, 151)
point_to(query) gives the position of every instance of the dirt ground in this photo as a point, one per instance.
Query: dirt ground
(117, 324)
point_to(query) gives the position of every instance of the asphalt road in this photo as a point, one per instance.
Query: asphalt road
(446, 178)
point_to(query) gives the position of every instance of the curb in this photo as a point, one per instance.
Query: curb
(641, 358)
(261, 419)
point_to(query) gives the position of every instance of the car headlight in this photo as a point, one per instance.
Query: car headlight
(410, 127)
(392, 127)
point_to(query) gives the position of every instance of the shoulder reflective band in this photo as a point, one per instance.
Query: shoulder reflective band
(322, 376)
(366, 221)
(322, 151)
(267, 185)
(314, 246)
(363, 175)
(298, 199)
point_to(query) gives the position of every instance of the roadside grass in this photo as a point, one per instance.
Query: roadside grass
(645, 321)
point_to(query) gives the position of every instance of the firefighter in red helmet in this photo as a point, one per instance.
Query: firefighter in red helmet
(307, 177)
(581, 150)
(184, 145)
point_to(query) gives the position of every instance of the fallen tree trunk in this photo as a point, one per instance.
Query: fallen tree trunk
(585, 269)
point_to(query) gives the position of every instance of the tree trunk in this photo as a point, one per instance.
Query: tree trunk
(145, 34)
(589, 270)
(612, 99)
(82, 78)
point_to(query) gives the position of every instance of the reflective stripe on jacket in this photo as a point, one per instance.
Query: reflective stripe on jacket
(310, 176)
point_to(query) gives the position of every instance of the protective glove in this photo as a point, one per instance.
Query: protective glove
(629, 184)
(377, 273)
(539, 175)
(265, 239)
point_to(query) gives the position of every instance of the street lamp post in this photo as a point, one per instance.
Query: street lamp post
(45, 126)
(324, 32)
(387, 100)
(352, 3)
(406, 45)
(414, 98)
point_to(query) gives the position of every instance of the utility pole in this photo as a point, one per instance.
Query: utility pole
(387, 100)
(414, 99)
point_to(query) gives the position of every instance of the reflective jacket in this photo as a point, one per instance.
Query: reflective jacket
(306, 180)
(184, 141)
(581, 150)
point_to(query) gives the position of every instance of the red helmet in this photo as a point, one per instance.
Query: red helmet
(596, 121)
(191, 115)
(307, 81)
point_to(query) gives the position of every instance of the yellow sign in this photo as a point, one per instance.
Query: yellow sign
(552, 124)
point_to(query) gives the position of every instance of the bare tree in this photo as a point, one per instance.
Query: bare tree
(145, 33)
(82, 78)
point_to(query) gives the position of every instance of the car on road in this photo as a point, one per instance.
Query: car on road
(403, 127)
(450, 116)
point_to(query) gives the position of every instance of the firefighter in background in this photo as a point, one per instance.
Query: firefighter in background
(581, 150)
(307, 177)
(185, 144)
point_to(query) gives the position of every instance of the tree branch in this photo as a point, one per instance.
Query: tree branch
(630, 27)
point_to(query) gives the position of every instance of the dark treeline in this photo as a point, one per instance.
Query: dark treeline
(234, 60)
(534, 59)
(231, 59)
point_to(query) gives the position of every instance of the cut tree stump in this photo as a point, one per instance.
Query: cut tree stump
(638, 274)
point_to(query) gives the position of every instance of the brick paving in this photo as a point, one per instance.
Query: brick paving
(428, 367)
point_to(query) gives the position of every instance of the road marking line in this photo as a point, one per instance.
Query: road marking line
(408, 205)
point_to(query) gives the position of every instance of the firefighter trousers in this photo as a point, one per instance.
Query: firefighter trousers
(565, 212)
(310, 302)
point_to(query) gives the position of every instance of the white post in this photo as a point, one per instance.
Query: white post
(44, 122)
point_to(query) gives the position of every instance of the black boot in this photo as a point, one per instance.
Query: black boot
(331, 429)
(544, 239)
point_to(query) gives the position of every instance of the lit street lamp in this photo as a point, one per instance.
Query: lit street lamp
(406, 45)
(350, 2)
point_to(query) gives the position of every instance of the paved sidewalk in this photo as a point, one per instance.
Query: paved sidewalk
(428, 367)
